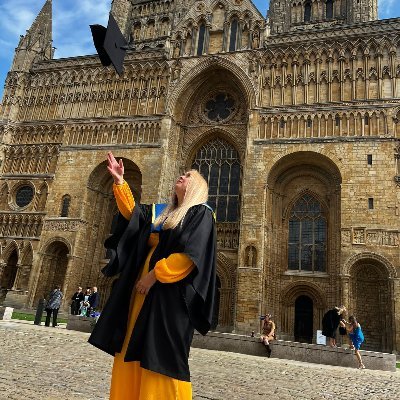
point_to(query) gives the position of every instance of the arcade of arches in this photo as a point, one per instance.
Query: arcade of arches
(293, 119)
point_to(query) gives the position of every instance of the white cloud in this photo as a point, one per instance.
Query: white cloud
(72, 35)
(386, 8)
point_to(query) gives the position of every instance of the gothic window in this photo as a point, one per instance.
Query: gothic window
(307, 11)
(307, 236)
(233, 37)
(200, 45)
(66, 200)
(220, 107)
(366, 119)
(24, 196)
(329, 9)
(219, 163)
(337, 120)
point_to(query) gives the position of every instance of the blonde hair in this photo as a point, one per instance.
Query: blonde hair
(341, 310)
(196, 193)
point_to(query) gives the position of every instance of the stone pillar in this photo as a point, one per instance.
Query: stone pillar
(395, 292)
(15, 285)
(2, 268)
(249, 280)
(67, 282)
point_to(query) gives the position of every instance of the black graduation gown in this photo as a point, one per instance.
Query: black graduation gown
(163, 331)
(330, 323)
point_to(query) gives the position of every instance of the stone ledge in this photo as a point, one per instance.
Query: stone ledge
(81, 324)
(312, 353)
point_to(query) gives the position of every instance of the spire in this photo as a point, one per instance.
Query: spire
(36, 44)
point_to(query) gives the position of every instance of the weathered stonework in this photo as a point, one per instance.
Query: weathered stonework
(306, 111)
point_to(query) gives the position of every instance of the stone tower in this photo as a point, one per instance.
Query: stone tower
(306, 14)
(36, 44)
(121, 10)
(33, 47)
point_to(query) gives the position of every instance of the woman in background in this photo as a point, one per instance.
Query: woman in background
(330, 323)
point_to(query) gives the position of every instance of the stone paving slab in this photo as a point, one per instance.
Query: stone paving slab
(54, 363)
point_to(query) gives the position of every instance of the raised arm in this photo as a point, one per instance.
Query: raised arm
(122, 192)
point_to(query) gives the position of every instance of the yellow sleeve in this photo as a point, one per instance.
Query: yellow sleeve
(125, 200)
(174, 268)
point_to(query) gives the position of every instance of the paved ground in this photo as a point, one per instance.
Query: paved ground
(53, 363)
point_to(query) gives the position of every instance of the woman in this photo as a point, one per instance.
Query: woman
(83, 310)
(356, 336)
(268, 332)
(165, 258)
(330, 323)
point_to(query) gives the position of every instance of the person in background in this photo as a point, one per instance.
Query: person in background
(330, 323)
(268, 332)
(53, 306)
(76, 301)
(356, 336)
(94, 299)
(85, 304)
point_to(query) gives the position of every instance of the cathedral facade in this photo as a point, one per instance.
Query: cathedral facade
(294, 120)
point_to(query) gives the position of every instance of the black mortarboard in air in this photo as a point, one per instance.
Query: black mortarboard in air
(110, 44)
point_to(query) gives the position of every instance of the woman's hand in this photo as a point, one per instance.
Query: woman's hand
(145, 284)
(115, 168)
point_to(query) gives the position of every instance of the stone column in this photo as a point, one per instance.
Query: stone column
(249, 296)
(17, 277)
(67, 283)
(395, 292)
(379, 57)
(2, 268)
(225, 36)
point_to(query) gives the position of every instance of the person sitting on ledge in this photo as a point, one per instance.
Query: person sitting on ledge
(268, 333)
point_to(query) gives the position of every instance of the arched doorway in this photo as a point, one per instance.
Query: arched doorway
(53, 269)
(101, 215)
(214, 322)
(10, 272)
(370, 302)
(303, 319)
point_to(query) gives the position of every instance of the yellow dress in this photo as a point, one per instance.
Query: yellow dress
(129, 381)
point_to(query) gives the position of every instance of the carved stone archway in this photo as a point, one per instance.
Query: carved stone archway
(371, 301)
(53, 269)
(289, 295)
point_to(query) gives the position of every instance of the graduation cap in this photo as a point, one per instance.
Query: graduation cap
(110, 44)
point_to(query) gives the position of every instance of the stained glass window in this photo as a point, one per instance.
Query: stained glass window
(219, 163)
(329, 9)
(220, 107)
(24, 196)
(307, 236)
(307, 11)
(65, 206)
(200, 46)
(232, 42)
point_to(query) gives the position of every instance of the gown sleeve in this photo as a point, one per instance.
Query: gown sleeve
(173, 268)
(124, 199)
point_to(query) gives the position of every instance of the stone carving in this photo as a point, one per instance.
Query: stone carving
(358, 235)
(256, 40)
(390, 239)
(346, 236)
(251, 257)
(65, 226)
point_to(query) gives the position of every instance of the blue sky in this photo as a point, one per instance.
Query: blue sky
(71, 19)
